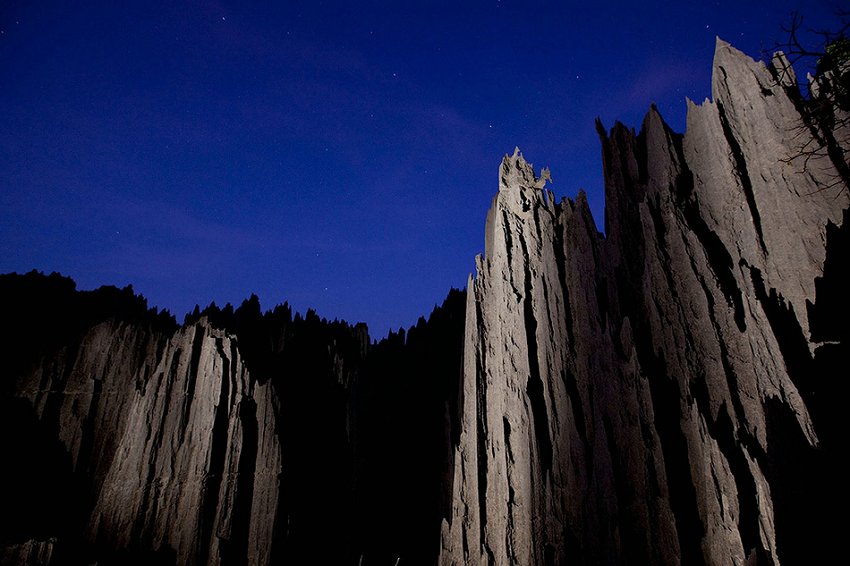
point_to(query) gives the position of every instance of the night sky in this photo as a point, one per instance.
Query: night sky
(336, 155)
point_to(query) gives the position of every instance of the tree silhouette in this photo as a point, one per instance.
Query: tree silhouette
(825, 132)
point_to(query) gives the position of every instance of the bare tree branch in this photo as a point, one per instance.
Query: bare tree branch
(825, 129)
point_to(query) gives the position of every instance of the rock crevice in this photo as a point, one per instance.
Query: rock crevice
(670, 392)
(658, 352)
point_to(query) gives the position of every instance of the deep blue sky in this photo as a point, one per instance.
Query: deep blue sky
(338, 155)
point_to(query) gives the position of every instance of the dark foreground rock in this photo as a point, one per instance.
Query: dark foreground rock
(238, 437)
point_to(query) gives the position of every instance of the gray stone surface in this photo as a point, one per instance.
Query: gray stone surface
(657, 395)
(168, 419)
(616, 389)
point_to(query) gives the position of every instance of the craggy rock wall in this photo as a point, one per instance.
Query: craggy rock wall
(656, 395)
(135, 440)
(238, 437)
(177, 439)
(669, 393)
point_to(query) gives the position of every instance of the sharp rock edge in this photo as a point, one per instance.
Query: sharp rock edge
(667, 393)
(638, 397)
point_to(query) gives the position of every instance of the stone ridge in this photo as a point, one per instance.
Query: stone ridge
(669, 393)
(240, 437)
(640, 397)
(176, 437)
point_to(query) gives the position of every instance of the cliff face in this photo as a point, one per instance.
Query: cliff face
(238, 437)
(656, 395)
(669, 393)
(169, 441)
(177, 439)
(156, 443)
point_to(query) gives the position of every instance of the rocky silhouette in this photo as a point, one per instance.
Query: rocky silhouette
(669, 392)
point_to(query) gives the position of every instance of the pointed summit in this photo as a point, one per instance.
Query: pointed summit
(517, 173)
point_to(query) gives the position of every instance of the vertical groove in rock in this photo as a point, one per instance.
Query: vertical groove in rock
(192, 377)
(534, 385)
(719, 259)
(561, 263)
(683, 361)
(215, 466)
(741, 171)
(481, 450)
(235, 548)
(669, 393)
(785, 326)
(666, 400)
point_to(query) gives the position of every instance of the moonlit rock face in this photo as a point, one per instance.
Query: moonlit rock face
(669, 393)
(626, 395)
(170, 423)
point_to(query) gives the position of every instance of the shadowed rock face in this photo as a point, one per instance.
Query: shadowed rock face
(166, 444)
(238, 437)
(669, 393)
(654, 396)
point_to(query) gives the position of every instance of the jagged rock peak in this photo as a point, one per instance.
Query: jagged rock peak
(734, 66)
(670, 393)
(520, 191)
(517, 173)
(653, 396)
